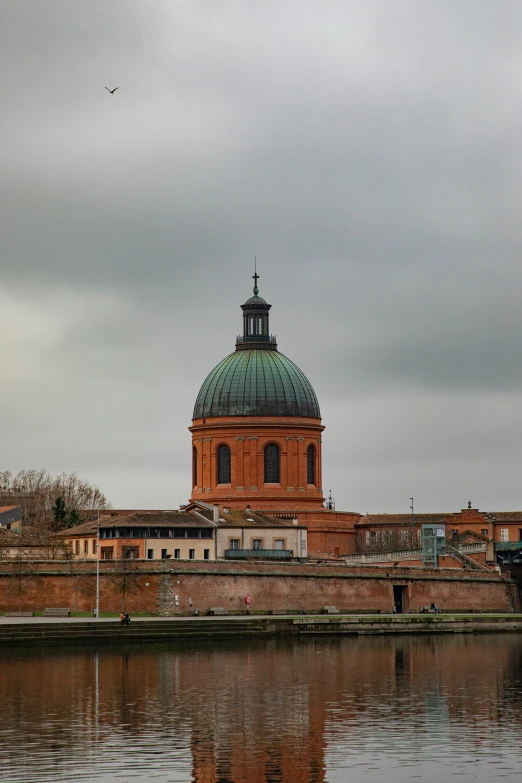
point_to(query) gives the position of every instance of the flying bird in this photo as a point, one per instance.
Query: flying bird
(112, 91)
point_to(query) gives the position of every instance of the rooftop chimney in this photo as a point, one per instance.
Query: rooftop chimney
(216, 513)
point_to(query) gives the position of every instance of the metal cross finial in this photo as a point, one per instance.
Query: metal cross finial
(255, 277)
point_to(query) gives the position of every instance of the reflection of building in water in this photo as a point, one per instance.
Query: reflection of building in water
(264, 722)
(257, 712)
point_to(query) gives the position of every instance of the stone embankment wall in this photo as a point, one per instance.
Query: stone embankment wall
(178, 588)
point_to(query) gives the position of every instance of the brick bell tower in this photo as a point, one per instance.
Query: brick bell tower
(256, 428)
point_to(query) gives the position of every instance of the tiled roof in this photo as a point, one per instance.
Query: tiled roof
(87, 528)
(387, 520)
(140, 519)
(157, 519)
(123, 512)
(505, 516)
(3, 509)
(244, 518)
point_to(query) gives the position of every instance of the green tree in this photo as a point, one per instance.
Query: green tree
(74, 518)
(59, 512)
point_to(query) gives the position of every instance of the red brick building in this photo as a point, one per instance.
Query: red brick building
(256, 437)
(257, 444)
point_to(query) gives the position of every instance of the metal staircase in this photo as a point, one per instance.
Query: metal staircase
(474, 565)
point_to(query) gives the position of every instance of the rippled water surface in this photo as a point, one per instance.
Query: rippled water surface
(369, 709)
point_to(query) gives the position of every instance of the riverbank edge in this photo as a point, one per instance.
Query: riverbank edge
(173, 629)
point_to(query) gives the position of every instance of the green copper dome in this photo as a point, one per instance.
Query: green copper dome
(256, 382)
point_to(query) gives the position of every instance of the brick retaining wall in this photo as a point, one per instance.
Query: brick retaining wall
(153, 587)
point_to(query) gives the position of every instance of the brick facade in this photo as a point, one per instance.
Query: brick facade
(247, 438)
(156, 587)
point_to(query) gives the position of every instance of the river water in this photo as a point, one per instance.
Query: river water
(341, 709)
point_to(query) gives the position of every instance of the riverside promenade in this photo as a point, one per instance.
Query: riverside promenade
(25, 631)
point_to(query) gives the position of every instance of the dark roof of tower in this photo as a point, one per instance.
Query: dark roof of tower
(255, 300)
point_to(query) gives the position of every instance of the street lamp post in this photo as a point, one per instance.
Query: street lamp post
(412, 526)
(98, 570)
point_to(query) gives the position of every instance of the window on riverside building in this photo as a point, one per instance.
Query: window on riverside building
(206, 554)
(177, 554)
(86, 547)
(257, 543)
(310, 464)
(279, 543)
(234, 543)
(504, 534)
(192, 554)
(77, 548)
(223, 464)
(194, 466)
(484, 531)
(272, 459)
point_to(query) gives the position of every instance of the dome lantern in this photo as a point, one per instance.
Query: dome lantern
(256, 323)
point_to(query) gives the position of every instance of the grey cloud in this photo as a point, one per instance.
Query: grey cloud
(368, 154)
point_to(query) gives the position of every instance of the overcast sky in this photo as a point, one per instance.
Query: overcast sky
(368, 152)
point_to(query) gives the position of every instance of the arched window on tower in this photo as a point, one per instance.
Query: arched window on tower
(272, 460)
(223, 464)
(194, 466)
(310, 464)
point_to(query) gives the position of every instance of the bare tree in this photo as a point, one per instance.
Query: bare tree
(82, 583)
(21, 577)
(37, 492)
(390, 540)
(125, 577)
